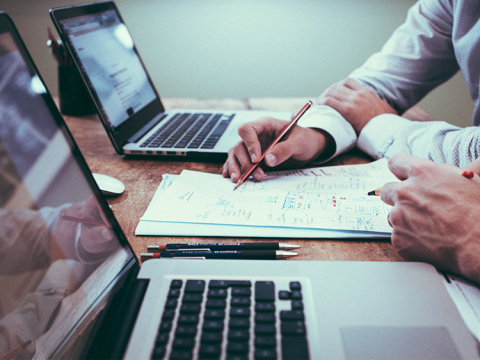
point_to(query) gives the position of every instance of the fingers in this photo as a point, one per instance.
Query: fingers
(237, 162)
(97, 239)
(399, 166)
(404, 166)
(332, 102)
(345, 90)
(281, 152)
(388, 193)
(473, 166)
(301, 145)
(335, 96)
(255, 135)
(250, 133)
(352, 84)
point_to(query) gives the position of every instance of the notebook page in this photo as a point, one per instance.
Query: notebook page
(318, 198)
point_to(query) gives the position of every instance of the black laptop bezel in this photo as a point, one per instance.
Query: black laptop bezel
(120, 136)
(128, 273)
(9, 26)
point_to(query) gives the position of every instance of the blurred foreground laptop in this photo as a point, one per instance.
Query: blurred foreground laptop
(75, 290)
(127, 102)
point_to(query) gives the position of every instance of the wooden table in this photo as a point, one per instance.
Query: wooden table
(142, 177)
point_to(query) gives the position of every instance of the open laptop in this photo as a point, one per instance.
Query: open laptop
(127, 102)
(71, 286)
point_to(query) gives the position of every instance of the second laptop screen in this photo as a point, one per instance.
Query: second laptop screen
(113, 69)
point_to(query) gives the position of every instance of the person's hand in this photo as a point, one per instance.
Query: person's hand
(93, 239)
(473, 166)
(300, 146)
(357, 104)
(435, 215)
(96, 239)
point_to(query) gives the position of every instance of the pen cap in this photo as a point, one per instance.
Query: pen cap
(146, 255)
(154, 248)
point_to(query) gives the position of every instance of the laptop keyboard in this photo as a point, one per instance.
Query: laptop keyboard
(233, 320)
(186, 130)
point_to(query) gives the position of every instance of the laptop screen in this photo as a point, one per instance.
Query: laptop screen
(105, 52)
(60, 247)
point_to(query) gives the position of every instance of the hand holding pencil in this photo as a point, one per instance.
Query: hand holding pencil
(300, 146)
(82, 230)
(279, 137)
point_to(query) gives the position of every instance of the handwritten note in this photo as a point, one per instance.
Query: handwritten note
(316, 198)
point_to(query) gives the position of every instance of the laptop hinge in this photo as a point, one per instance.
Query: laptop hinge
(146, 128)
(112, 335)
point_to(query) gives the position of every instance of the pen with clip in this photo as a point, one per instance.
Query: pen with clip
(223, 246)
(280, 136)
(232, 254)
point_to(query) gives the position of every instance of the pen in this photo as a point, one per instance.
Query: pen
(83, 220)
(233, 254)
(465, 174)
(224, 246)
(15, 351)
(280, 136)
(55, 48)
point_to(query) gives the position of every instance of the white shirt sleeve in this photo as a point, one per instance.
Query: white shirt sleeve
(418, 57)
(325, 118)
(438, 141)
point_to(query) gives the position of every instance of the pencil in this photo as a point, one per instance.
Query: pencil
(465, 174)
(284, 132)
(83, 220)
(15, 351)
(375, 192)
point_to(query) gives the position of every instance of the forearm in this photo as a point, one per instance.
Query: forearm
(438, 141)
(417, 58)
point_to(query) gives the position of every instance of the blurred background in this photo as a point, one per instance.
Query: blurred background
(248, 48)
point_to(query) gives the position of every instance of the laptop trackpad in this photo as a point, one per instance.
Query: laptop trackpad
(398, 343)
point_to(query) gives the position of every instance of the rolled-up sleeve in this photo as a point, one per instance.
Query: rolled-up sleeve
(438, 141)
(329, 120)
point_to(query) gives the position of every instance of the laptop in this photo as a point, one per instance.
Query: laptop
(128, 104)
(72, 288)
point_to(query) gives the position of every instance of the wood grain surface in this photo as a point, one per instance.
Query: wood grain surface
(142, 177)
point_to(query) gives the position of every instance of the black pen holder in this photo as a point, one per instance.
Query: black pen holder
(74, 97)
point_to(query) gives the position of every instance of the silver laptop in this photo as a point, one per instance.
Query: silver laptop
(127, 102)
(72, 288)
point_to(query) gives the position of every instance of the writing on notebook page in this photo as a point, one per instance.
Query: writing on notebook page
(322, 198)
(332, 209)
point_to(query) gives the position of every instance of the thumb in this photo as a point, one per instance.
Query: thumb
(280, 153)
(98, 239)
